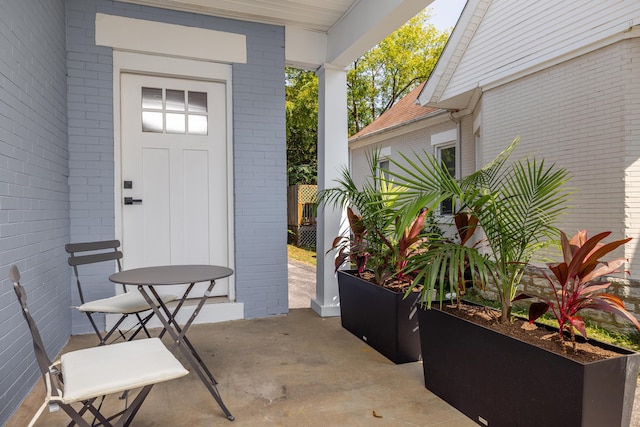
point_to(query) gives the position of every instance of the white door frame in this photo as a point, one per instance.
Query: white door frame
(174, 68)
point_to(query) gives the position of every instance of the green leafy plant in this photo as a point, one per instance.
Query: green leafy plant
(578, 282)
(451, 261)
(515, 203)
(381, 238)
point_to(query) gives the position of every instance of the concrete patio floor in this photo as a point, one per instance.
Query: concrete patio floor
(294, 370)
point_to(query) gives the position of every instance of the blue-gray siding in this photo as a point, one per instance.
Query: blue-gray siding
(34, 195)
(57, 166)
(259, 146)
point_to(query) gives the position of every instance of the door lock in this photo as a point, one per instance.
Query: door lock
(131, 200)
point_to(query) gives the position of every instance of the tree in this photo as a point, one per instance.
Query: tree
(391, 69)
(302, 126)
(375, 82)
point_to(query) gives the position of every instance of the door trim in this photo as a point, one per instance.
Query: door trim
(130, 62)
(141, 35)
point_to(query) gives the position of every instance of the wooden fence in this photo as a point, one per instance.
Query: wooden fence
(301, 218)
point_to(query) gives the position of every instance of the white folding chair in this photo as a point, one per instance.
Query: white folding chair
(80, 377)
(127, 303)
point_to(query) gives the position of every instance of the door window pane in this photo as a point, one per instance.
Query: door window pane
(197, 125)
(198, 102)
(175, 100)
(152, 121)
(151, 98)
(175, 123)
(165, 111)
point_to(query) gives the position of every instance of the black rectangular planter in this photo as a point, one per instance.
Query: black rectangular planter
(498, 381)
(380, 317)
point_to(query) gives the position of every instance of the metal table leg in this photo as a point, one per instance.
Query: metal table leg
(178, 335)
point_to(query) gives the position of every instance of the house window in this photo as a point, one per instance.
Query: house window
(446, 154)
(444, 146)
(384, 165)
(174, 111)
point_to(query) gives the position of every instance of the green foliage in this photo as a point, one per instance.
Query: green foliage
(378, 240)
(515, 204)
(391, 69)
(302, 126)
(375, 82)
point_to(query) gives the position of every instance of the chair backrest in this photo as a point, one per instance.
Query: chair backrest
(91, 253)
(38, 346)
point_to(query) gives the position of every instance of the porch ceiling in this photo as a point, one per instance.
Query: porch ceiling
(308, 14)
(334, 32)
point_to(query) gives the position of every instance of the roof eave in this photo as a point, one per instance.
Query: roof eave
(379, 132)
(470, 18)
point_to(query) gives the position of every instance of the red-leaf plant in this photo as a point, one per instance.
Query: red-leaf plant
(578, 282)
(388, 256)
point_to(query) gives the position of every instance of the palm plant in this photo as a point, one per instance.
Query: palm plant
(381, 237)
(515, 205)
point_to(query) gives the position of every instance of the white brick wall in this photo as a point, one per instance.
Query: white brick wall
(580, 115)
(630, 52)
(34, 199)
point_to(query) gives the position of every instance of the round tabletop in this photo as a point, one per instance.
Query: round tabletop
(171, 274)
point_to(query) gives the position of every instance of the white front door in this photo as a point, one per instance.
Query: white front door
(174, 173)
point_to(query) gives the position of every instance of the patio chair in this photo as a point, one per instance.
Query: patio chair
(130, 301)
(81, 377)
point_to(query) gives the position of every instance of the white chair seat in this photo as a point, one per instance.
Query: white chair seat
(125, 303)
(114, 368)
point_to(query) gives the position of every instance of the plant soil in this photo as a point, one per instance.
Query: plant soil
(530, 333)
(518, 328)
(391, 284)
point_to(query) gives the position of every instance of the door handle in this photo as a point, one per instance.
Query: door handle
(131, 200)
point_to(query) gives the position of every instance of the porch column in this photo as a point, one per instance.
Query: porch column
(332, 156)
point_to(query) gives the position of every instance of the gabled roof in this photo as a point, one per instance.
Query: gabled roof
(495, 42)
(405, 111)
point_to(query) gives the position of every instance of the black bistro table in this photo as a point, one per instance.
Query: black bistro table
(148, 278)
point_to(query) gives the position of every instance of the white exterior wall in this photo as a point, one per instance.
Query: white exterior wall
(415, 141)
(516, 36)
(630, 66)
(467, 149)
(583, 115)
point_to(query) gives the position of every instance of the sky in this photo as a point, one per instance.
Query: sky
(445, 13)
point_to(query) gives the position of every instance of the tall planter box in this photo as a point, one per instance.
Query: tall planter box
(498, 381)
(380, 317)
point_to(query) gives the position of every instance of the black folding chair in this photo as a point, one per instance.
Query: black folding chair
(127, 303)
(81, 377)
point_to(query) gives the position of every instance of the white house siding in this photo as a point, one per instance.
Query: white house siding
(407, 143)
(515, 36)
(412, 144)
(34, 194)
(577, 114)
